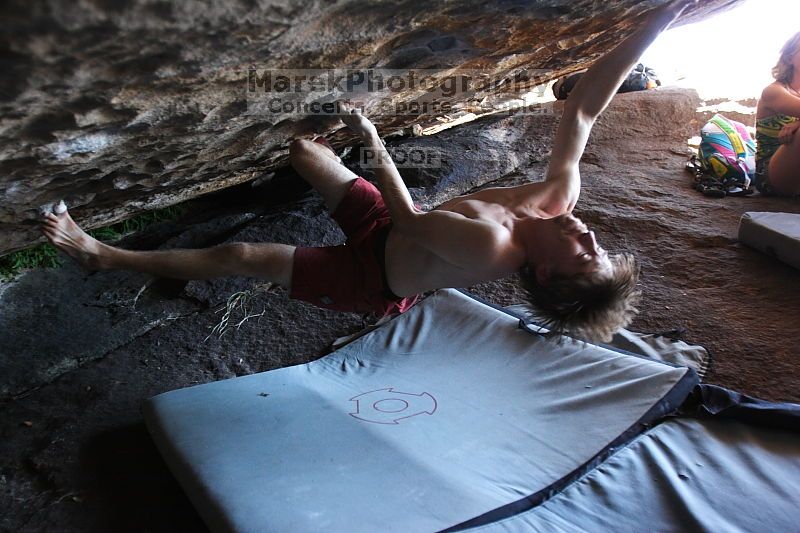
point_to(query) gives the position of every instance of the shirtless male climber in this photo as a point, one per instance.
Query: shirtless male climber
(395, 252)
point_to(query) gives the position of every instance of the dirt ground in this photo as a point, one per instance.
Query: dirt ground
(75, 453)
(740, 304)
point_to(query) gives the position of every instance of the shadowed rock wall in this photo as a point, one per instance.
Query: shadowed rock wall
(129, 105)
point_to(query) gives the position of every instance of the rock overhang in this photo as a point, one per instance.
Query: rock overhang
(120, 107)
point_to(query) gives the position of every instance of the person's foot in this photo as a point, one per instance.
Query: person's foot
(64, 234)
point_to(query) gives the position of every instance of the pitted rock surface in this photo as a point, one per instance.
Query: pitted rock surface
(124, 106)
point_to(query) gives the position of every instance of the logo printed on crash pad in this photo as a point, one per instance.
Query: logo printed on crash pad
(388, 406)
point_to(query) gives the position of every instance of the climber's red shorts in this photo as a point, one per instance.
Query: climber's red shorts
(351, 277)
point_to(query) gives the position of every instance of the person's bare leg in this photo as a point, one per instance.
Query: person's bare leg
(784, 168)
(270, 261)
(320, 167)
(320, 139)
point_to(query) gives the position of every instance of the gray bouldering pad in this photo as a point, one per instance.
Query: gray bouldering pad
(775, 234)
(684, 475)
(660, 347)
(446, 413)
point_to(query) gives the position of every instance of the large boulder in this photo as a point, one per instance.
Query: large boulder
(125, 106)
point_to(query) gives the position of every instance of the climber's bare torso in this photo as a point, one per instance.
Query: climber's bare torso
(412, 269)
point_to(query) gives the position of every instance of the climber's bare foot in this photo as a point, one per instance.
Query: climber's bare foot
(64, 234)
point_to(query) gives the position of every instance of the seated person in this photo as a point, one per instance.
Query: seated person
(777, 122)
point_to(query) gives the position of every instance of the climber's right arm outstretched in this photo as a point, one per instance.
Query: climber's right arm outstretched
(591, 96)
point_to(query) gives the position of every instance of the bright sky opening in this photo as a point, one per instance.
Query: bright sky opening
(730, 55)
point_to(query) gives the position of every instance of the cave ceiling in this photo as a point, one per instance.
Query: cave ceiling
(120, 107)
